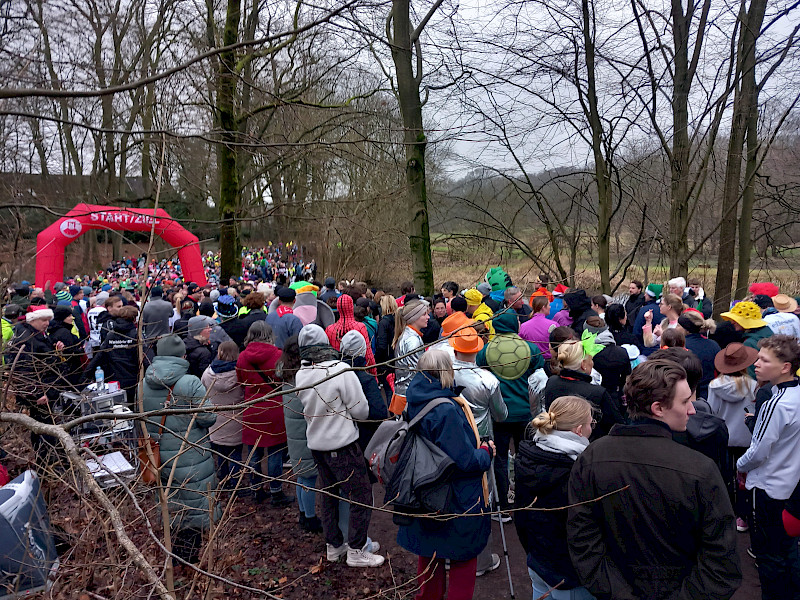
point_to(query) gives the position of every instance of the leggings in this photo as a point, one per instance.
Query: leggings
(431, 579)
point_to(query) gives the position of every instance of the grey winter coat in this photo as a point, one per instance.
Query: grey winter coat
(300, 456)
(185, 447)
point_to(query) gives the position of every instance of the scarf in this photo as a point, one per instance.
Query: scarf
(222, 366)
(562, 442)
(471, 420)
(284, 310)
(317, 353)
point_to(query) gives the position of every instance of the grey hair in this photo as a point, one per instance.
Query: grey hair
(260, 331)
(510, 293)
(438, 364)
(677, 282)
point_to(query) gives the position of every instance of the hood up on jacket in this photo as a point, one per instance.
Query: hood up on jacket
(605, 338)
(578, 302)
(344, 304)
(165, 371)
(703, 425)
(506, 321)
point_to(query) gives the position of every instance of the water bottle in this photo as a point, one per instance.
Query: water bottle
(99, 379)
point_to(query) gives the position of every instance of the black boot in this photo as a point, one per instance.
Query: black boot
(281, 499)
(313, 525)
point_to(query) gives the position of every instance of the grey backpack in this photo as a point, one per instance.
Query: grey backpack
(383, 450)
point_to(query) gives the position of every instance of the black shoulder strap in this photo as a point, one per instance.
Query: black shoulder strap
(426, 409)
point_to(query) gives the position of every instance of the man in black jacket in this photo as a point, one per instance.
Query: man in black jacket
(655, 520)
(635, 301)
(38, 377)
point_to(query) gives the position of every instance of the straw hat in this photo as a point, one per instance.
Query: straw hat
(467, 341)
(784, 303)
(746, 314)
(734, 358)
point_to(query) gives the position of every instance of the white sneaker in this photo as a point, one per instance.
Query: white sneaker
(362, 558)
(495, 564)
(334, 553)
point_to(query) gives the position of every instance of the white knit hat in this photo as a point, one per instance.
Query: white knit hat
(42, 313)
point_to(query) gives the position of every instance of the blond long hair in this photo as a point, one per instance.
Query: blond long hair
(564, 414)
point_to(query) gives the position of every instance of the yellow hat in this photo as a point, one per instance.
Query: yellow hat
(473, 297)
(746, 314)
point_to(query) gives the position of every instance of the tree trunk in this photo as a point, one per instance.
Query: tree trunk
(604, 197)
(744, 95)
(679, 207)
(230, 263)
(755, 21)
(415, 142)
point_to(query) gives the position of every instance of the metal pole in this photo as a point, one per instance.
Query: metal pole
(496, 497)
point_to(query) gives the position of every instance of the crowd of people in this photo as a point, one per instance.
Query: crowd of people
(663, 431)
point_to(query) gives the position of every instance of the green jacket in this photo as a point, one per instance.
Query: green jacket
(185, 448)
(515, 393)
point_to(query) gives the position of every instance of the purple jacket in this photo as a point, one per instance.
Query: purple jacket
(537, 330)
(562, 318)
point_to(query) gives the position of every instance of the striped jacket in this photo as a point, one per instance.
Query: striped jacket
(771, 462)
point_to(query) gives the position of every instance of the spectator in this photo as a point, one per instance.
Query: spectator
(187, 465)
(354, 351)
(611, 362)
(702, 302)
(62, 329)
(282, 320)
(481, 390)
(772, 468)
(512, 298)
(542, 468)
(729, 395)
(332, 401)
(781, 318)
(697, 329)
(37, 378)
(634, 302)
(573, 378)
(198, 345)
(262, 422)
(155, 316)
(118, 355)
(628, 544)
(452, 428)
(300, 457)
(219, 378)
(746, 319)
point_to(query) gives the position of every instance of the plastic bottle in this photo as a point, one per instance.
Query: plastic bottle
(99, 379)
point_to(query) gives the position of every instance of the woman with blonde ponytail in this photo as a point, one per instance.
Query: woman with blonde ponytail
(542, 469)
(574, 378)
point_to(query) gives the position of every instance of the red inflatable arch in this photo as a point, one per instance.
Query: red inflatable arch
(51, 242)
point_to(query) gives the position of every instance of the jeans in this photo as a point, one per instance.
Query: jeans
(503, 434)
(540, 588)
(776, 552)
(226, 459)
(274, 466)
(306, 498)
